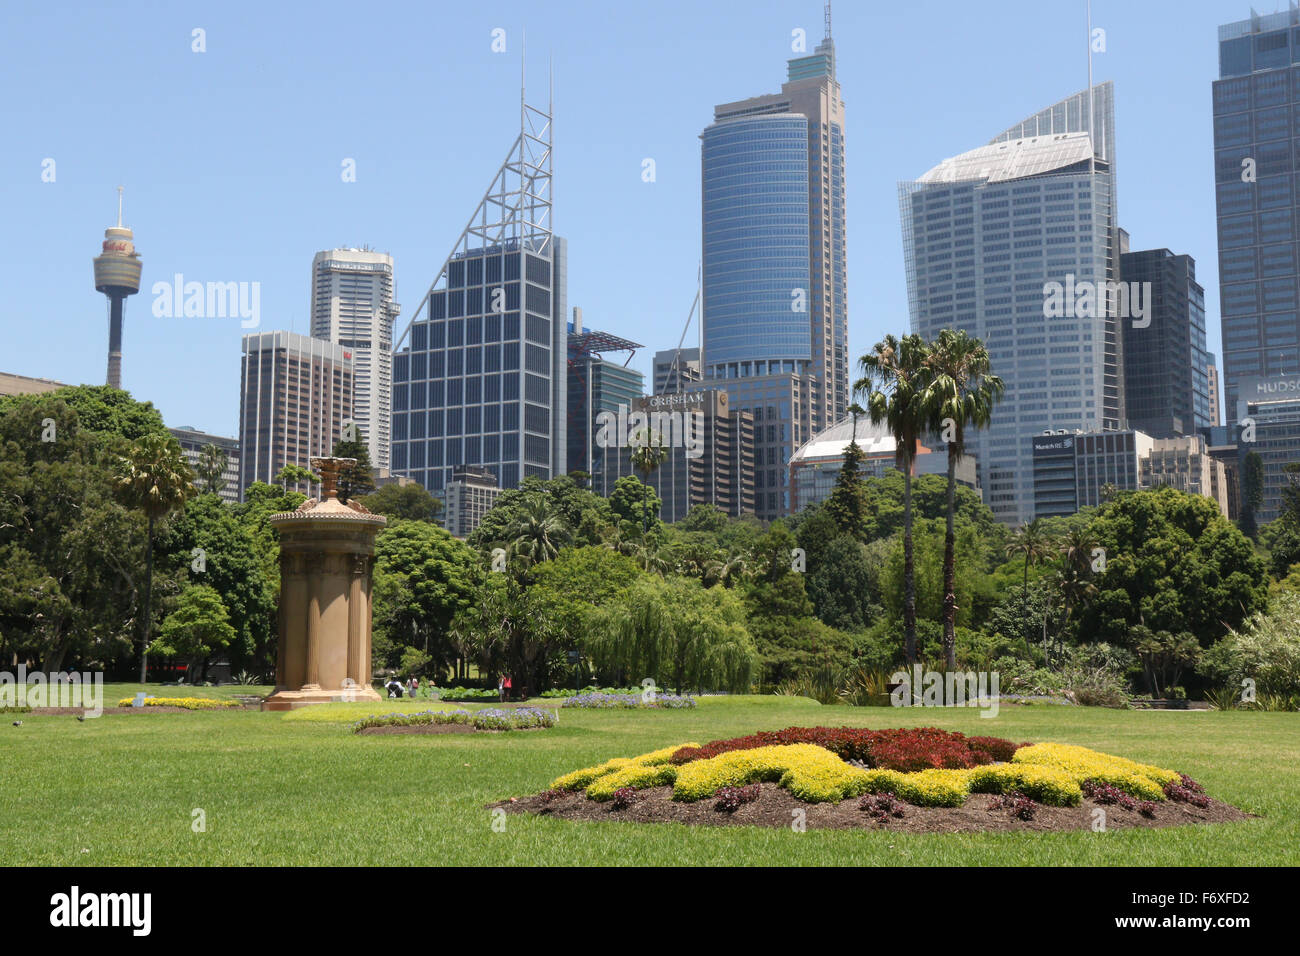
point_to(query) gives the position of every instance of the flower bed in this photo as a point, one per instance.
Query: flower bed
(629, 701)
(557, 692)
(812, 764)
(188, 703)
(521, 718)
(902, 749)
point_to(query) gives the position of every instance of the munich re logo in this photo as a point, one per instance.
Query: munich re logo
(76, 909)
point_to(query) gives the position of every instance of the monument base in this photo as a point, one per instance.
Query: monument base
(293, 699)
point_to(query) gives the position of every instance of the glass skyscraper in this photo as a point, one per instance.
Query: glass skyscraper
(987, 236)
(1256, 129)
(774, 319)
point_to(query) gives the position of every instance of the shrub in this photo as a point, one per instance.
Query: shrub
(1015, 803)
(1050, 785)
(623, 798)
(1136, 779)
(997, 749)
(809, 772)
(1147, 808)
(189, 703)
(731, 799)
(522, 718)
(1265, 650)
(579, 779)
(881, 806)
(635, 777)
(603, 701)
(1104, 793)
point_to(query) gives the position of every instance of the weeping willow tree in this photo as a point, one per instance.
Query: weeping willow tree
(678, 633)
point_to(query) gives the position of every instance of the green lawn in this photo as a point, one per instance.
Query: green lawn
(300, 788)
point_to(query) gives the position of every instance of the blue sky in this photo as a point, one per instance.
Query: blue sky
(232, 157)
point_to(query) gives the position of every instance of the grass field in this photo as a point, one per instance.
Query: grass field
(300, 788)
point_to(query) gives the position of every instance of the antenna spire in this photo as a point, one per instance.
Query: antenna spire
(828, 19)
(119, 206)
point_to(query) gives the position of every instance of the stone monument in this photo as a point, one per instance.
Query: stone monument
(327, 550)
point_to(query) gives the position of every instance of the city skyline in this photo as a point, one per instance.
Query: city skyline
(667, 138)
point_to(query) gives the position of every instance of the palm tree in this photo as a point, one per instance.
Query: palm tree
(1077, 546)
(894, 378)
(536, 535)
(1032, 541)
(647, 455)
(724, 569)
(210, 468)
(961, 392)
(153, 477)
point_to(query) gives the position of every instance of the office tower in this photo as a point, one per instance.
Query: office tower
(1212, 388)
(676, 370)
(480, 378)
(1269, 408)
(596, 384)
(774, 318)
(1016, 243)
(470, 494)
(11, 384)
(1257, 200)
(1073, 471)
(708, 451)
(352, 306)
(815, 465)
(1166, 366)
(295, 395)
(193, 441)
(117, 275)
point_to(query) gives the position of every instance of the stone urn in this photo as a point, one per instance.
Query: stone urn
(327, 556)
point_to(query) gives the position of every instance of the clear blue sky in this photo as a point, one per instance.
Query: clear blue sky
(232, 158)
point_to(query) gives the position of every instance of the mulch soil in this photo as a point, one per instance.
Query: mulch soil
(775, 808)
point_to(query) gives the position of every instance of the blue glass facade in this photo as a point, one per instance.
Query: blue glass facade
(1256, 160)
(481, 381)
(755, 195)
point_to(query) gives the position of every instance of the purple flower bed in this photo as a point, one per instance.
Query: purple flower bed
(629, 701)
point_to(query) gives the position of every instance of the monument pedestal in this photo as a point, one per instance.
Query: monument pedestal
(327, 559)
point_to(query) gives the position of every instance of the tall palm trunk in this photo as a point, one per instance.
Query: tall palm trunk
(148, 596)
(950, 569)
(909, 569)
(1024, 616)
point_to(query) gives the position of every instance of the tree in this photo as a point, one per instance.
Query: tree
(961, 392)
(409, 501)
(153, 477)
(633, 501)
(1252, 492)
(210, 469)
(895, 375)
(847, 504)
(677, 633)
(1173, 563)
(197, 628)
(647, 455)
(1031, 541)
(295, 475)
(101, 410)
(537, 533)
(1164, 656)
(585, 515)
(354, 480)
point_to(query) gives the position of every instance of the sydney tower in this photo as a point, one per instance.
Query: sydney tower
(117, 275)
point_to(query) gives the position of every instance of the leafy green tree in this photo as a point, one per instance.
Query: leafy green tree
(648, 453)
(197, 627)
(153, 478)
(1173, 563)
(677, 633)
(1252, 492)
(895, 376)
(1032, 543)
(424, 577)
(101, 410)
(847, 504)
(1264, 650)
(410, 502)
(210, 469)
(585, 515)
(295, 475)
(355, 480)
(633, 501)
(960, 394)
(706, 518)
(1164, 657)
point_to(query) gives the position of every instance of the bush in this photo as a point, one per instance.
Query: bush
(602, 701)
(809, 772)
(188, 703)
(1139, 780)
(882, 806)
(731, 799)
(522, 718)
(1266, 650)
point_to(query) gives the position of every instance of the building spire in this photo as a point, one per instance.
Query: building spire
(119, 206)
(828, 19)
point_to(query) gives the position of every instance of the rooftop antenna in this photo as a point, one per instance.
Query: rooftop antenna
(828, 19)
(119, 206)
(1092, 105)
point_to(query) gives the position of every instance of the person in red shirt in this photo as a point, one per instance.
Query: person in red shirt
(505, 688)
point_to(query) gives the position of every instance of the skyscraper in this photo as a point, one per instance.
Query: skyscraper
(596, 385)
(774, 317)
(675, 370)
(295, 393)
(1258, 204)
(1002, 241)
(480, 376)
(1166, 366)
(352, 306)
(117, 275)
